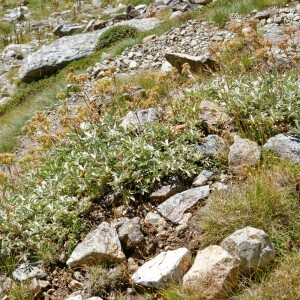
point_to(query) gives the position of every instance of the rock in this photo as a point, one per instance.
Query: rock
(174, 208)
(202, 2)
(5, 284)
(94, 298)
(140, 117)
(130, 233)
(202, 178)
(155, 220)
(149, 38)
(17, 51)
(219, 186)
(101, 244)
(75, 285)
(286, 145)
(213, 116)
(50, 58)
(213, 145)
(176, 15)
(252, 246)
(197, 63)
(213, 273)
(75, 296)
(168, 187)
(262, 15)
(243, 154)
(27, 271)
(165, 269)
(65, 30)
(35, 287)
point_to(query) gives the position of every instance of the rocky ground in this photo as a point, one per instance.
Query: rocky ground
(154, 242)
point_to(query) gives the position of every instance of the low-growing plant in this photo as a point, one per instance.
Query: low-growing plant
(115, 34)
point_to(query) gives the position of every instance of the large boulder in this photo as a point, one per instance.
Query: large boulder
(165, 269)
(287, 146)
(213, 273)
(252, 246)
(50, 58)
(174, 207)
(102, 244)
(243, 154)
(197, 63)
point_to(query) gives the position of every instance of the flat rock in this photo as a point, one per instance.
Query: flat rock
(169, 187)
(243, 154)
(252, 246)
(140, 117)
(101, 244)
(213, 145)
(165, 269)
(27, 271)
(197, 63)
(213, 273)
(50, 58)
(287, 146)
(66, 29)
(174, 207)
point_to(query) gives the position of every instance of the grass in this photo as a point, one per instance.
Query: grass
(268, 201)
(219, 11)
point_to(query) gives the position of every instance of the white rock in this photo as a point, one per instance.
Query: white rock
(252, 246)
(165, 269)
(213, 273)
(100, 244)
(174, 207)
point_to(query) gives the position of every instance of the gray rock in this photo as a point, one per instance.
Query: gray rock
(75, 296)
(130, 233)
(243, 154)
(213, 145)
(197, 63)
(213, 273)
(140, 117)
(174, 208)
(27, 271)
(202, 178)
(165, 269)
(252, 246)
(155, 220)
(65, 29)
(287, 146)
(261, 15)
(50, 58)
(213, 116)
(101, 244)
(169, 187)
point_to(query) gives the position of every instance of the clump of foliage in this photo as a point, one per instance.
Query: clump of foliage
(115, 34)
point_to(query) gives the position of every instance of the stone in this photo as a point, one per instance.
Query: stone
(252, 246)
(286, 145)
(164, 269)
(17, 51)
(130, 233)
(50, 58)
(94, 298)
(154, 219)
(35, 287)
(168, 187)
(261, 15)
(102, 244)
(197, 63)
(27, 271)
(213, 274)
(176, 15)
(5, 284)
(213, 116)
(202, 178)
(243, 154)
(174, 207)
(75, 285)
(202, 2)
(75, 296)
(65, 29)
(213, 145)
(140, 117)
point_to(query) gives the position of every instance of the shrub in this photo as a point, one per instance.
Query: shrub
(115, 34)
